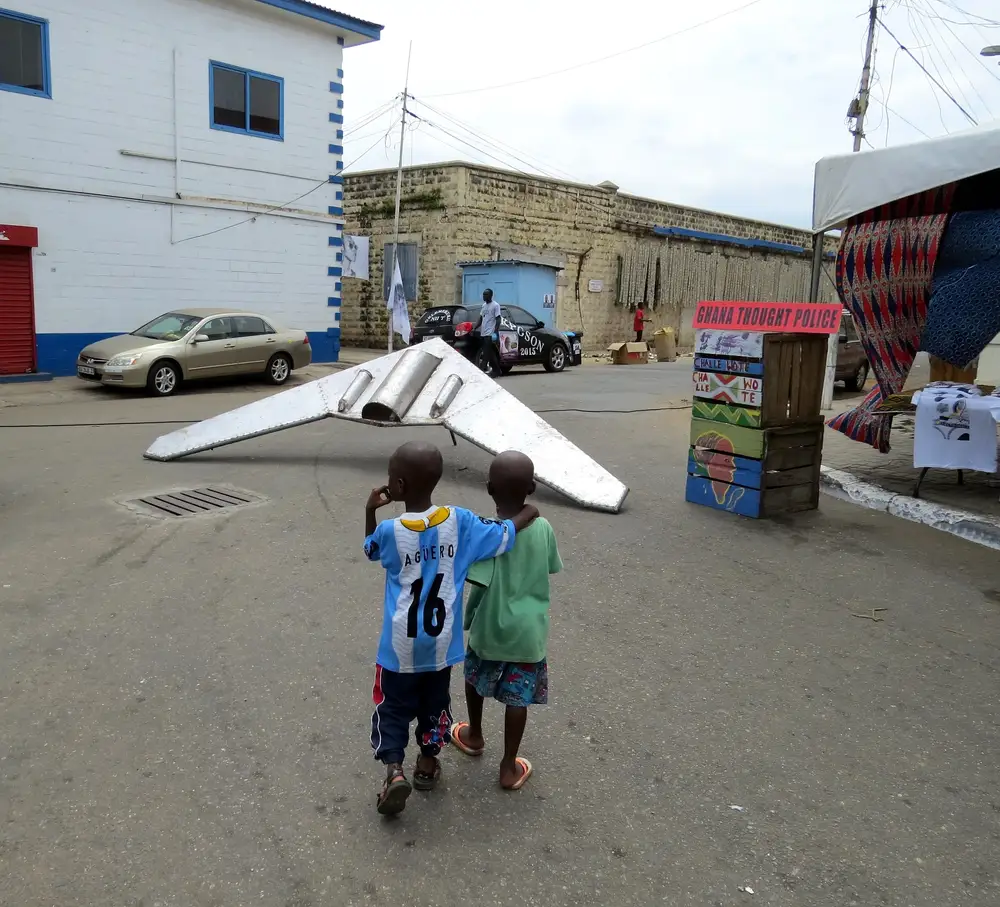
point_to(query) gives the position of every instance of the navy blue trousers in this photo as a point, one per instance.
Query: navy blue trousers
(402, 698)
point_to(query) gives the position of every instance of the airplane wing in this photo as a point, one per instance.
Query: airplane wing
(429, 384)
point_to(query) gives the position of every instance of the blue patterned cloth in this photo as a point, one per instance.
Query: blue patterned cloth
(963, 315)
(519, 685)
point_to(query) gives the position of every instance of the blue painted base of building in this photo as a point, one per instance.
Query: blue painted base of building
(26, 379)
(57, 352)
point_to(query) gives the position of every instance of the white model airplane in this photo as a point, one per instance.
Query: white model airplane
(429, 384)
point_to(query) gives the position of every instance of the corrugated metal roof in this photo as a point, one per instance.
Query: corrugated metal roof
(509, 261)
(323, 12)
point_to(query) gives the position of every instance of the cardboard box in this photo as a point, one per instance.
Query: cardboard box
(630, 353)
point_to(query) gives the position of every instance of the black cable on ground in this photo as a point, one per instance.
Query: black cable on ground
(596, 412)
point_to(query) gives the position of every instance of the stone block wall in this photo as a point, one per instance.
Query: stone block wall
(429, 206)
(461, 212)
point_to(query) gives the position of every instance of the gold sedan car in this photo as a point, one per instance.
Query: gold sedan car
(193, 344)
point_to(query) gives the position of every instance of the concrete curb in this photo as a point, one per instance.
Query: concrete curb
(972, 527)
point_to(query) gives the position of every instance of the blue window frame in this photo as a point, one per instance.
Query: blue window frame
(24, 54)
(245, 101)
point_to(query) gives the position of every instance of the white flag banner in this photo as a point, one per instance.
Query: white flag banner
(397, 304)
(356, 256)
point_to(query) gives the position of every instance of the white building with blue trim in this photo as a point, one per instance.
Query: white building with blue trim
(158, 154)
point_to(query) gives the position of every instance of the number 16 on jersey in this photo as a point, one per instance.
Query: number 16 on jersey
(434, 609)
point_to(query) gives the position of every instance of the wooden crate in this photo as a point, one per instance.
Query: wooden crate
(724, 412)
(754, 472)
(783, 387)
(794, 368)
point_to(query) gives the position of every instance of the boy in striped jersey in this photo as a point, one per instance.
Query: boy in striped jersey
(426, 553)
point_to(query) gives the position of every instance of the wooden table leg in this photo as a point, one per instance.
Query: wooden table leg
(920, 478)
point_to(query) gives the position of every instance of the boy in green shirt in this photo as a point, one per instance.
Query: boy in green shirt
(507, 617)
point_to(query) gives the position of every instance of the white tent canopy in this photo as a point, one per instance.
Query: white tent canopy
(849, 184)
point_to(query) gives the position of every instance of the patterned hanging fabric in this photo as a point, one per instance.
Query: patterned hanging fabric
(963, 315)
(884, 269)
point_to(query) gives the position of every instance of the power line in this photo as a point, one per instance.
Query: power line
(273, 208)
(927, 39)
(573, 192)
(954, 6)
(928, 52)
(385, 135)
(620, 53)
(909, 53)
(899, 116)
(372, 116)
(479, 152)
(925, 5)
(929, 12)
(462, 151)
(254, 217)
(884, 101)
(469, 144)
(958, 63)
(379, 131)
(909, 123)
(528, 159)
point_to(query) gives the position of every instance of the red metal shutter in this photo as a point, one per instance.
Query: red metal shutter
(17, 312)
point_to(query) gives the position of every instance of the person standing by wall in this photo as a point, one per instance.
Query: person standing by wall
(489, 321)
(637, 323)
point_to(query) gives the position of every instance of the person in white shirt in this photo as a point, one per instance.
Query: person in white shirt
(490, 320)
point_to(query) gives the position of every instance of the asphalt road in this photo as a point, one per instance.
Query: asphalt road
(185, 704)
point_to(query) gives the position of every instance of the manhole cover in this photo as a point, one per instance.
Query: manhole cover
(189, 502)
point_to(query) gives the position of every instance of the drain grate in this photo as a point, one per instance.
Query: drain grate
(190, 502)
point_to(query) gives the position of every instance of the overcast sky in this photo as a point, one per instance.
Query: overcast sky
(730, 115)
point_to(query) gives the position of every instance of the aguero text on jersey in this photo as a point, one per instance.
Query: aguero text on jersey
(426, 558)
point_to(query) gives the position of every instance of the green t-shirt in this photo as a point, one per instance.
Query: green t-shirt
(507, 615)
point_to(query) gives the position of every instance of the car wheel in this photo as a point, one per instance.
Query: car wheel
(857, 381)
(279, 369)
(164, 379)
(556, 359)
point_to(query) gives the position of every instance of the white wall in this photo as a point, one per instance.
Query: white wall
(113, 89)
(107, 265)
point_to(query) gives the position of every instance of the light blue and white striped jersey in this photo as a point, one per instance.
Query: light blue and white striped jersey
(426, 557)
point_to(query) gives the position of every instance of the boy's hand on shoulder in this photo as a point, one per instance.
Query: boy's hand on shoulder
(379, 497)
(529, 513)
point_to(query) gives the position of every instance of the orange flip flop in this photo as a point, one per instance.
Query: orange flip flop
(526, 771)
(457, 740)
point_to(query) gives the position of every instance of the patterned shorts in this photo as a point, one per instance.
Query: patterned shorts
(507, 682)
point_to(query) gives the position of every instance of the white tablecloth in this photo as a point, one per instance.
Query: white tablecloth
(950, 437)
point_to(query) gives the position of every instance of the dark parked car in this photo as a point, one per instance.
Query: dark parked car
(852, 363)
(521, 338)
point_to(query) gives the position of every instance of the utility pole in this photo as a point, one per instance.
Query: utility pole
(859, 106)
(857, 111)
(399, 190)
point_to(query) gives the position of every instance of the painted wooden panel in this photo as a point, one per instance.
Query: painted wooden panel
(747, 344)
(723, 412)
(732, 439)
(794, 458)
(801, 475)
(794, 498)
(743, 389)
(720, 496)
(702, 455)
(723, 468)
(795, 436)
(724, 364)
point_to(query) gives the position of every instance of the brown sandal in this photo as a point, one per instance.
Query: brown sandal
(392, 799)
(427, 781)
